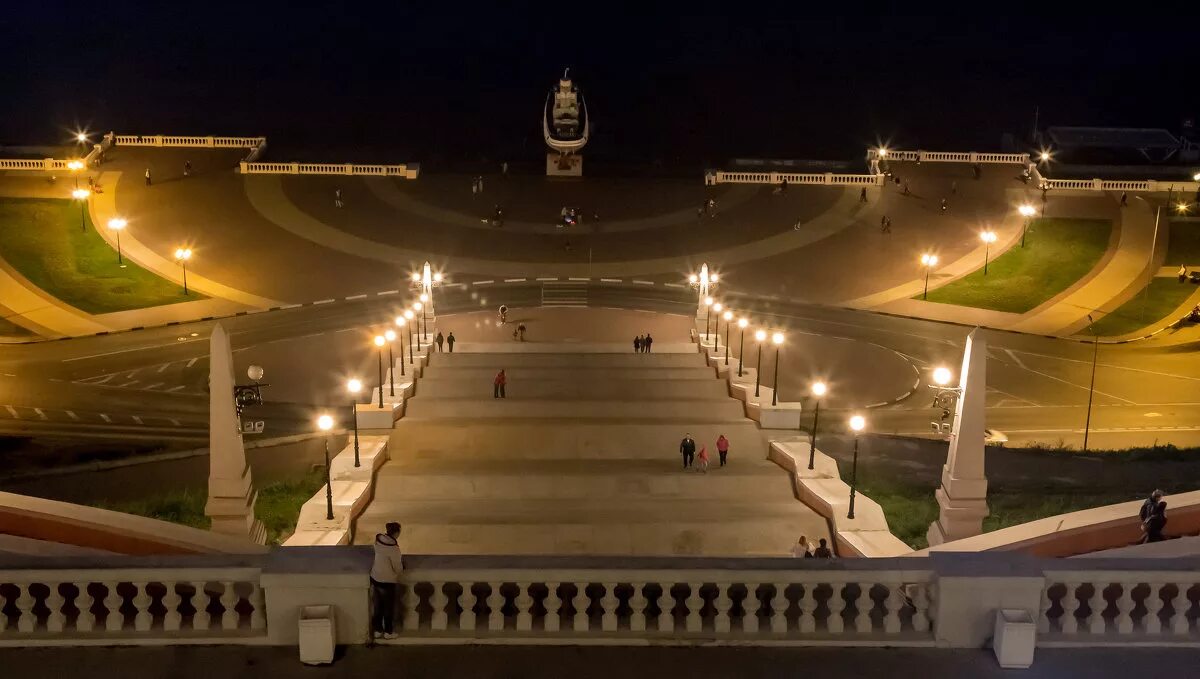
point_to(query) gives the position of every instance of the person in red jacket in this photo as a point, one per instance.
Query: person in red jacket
(498, 385)
(722, 448)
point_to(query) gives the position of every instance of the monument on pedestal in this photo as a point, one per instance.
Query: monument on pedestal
(962, 497)
(565, 127)
(231, 492)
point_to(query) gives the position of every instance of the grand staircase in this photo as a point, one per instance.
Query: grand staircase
(580, 458)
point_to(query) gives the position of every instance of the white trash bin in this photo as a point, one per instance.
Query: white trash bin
(318, 635)
(1014, 638)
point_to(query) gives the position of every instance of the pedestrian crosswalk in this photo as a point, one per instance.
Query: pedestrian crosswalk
(564, 295)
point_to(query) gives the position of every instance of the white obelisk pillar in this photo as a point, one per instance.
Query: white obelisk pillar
(962, 497)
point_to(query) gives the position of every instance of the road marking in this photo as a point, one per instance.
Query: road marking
(346, 330)
(122, 386)
(71, 414)
(130, 374)
(99, 379)
(106, 418)
(355, 297)
(673, 285)
(514, 280)
(610, 280)
(13, 411)
(173, 421)
(482, 282)
(137, 419)
(40, 413)
(637, 282)
(126, 351)
(387, 292)
(545, 279)
(151, 386)
(1079, 386)
(1012, 354)
(325, 301)
(293, 306)
(579, 279)
(192, 362)
(176, 387)
(163, 367)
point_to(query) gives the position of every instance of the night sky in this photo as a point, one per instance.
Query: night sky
(392, 83)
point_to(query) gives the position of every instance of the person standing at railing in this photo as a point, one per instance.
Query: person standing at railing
(385, 574)
(148, 182)
(337, 197)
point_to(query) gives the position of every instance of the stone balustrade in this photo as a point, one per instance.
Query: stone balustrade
(950, 157)
(801, 178)
(404, 171)
(1148, 185)
(180, 141)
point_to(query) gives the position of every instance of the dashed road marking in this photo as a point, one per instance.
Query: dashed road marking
(151, 386)
(579, 279)
(325, 301)
(293, 306)
(514, 280)
(126, 384)
(163, 367)
(71, 414)
(105, 417)
(637, 282)
(387, 292)
(610, 280)
(482, 282)
(40, 413)
(673, 285)
(192, 362)
(129, 375)
(137, 419)
(173, 421)
(176, 387)
(545, 279)
(12, 411)
(355, 297)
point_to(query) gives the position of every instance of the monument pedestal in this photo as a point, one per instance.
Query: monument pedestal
(564, 166)
(230, 507)
(371, 416)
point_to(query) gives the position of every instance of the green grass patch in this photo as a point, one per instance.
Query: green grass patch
(42, 239)
(1183, 244)
(278, 505)
(1152, 304)
(1057, 253)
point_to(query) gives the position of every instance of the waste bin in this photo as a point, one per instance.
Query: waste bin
(1014, 638)
(318, 635)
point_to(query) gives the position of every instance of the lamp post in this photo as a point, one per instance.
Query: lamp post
(777, 340)
(325, 423)
(81, 195)
(703, 282)
(742, 323)
(856, 425)
(728, 317)
(75, 166)
(354, 386)
(928, 260)
(390, 336)
(379, 341)
(759, 336)
(818, 390)
(424, 307)
(117, 225)
(1027, 211)
(417, 306)
(988, 237)
(408, 316)
(1087, 424)
(400, 323)
(708, 303)
(182, 255)
(717, 327)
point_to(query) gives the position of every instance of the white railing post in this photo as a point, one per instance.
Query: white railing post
(440, 619)
(637, 607)
(1097, 184)
(467, 600)
(524, 603)
(580, 603)
(142, 618)
(229, 600)
(25, 603)
(1070, 604)
(836, 624)
(608, 607)
(750, 607)
(1179, 609)
(723, 604)
(666, 610)
(114, 620)
(495, 604)
(1152, 623)
(1096, 606)
(892, 604)
(201, 619)
(553, 605)
(54, 605)
(863, 606)
(695, 607)
(920, 601)
(172, 619)
(779, 606)
(1125, 609)
(410, 614)
(295, 168)
(85, 602)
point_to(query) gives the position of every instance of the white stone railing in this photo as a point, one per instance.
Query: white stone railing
(950, 157)
(803, 178)
(117, 600)
(1120, 601)
(407, 171)
(46, 164)
(189, 142)
(1147, 185)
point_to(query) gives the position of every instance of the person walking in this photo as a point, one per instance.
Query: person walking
(504, 168)
(148, 182)
(1149, 505)
(337, 197)
(521, 330)
(498, 384)
(1182, 273)
(702, 459)
(385, 573)
(1124, 199)
(450, 342)
(945, 206)
(687, 447)
(637, 344)
(822, 551)
(722, 448)
(439, 339)
(479, 180)
(885, 225)
(187, 168)
(802, 549)
(954, 188)
(862, 195)
(474, 187)
(647, 341)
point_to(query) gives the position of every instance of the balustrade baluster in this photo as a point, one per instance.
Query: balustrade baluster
(1180, 604)
(608, 607)
(524, 604)
(723, 604)
(892, 605)
(25, 603)
(495, 602)
(920, 601)
(1043, 622)
(580, 603)
(467, 600)
(863, 606)
(1070, 604)
(229, 601)
(779, 606)
(1151, 622)
(86, 622)
(410, 608)
(258, 616)
(55, 620)
(113, 601)
(142, 619)
(1125, 608)
(666, 610)
(440, 619)
(750, 607)
(638, 605)
(553, 605)
(1096, 606)
(837, 603)
(695, 608)
(172, 618)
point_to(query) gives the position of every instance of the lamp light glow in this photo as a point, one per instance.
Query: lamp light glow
(325, 423)
(857, 423)
(942, 375)
(819, 389)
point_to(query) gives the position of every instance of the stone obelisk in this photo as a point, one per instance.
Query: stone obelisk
(962, 497)
(231, 492)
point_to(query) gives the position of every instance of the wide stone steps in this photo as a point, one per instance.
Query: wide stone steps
(560, 360)
(577, 374)
(600, 388)
(728, 410)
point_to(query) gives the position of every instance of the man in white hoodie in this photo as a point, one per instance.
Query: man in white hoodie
(385, 573)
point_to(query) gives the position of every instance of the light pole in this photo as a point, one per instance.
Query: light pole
(856, 425)
(728, 317)
(379, 341)
(777, 339)
(390, 336)
(400, 323)
(759, 336)
(417, 306)
(75, 166)
(408, 316)
(1027, 211)
(988, 237)
(1087, 424)
(717, 327)
(117, 225)
(928, 260)
(708, 303)
(742, 323)
(81, 195)
(354, 386)
(325, 423)
(182, 255)
(818, 390)
(424, 307)
(703, 282)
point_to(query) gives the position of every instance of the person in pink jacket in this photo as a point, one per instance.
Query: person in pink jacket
(722, 448)
(702, 459)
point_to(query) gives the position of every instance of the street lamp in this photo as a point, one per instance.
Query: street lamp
(424, 306)
(759, 336)
(81, 195)
(182, 255)
(81, 137)
(988, 237)
(717, 326)
(708, 302)
(777, 339)
(400, 323)
(703, 282)
(117, 225)
(942, 376)
(325, 423)
(928, 260)
(390, 336)
(742, 323)
(1027, 211)
(417, 306)
(728, 317)
(379, 341)
(856, 425)
(354, 386)
(818, 390)
(75, 166)
(408, 316)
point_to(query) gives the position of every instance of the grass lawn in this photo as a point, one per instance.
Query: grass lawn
(1183, 244)
(41, 238)
(1151, 305)
(1057, 253)
(278, 505)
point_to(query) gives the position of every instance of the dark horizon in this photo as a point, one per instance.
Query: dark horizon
(402, 85)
